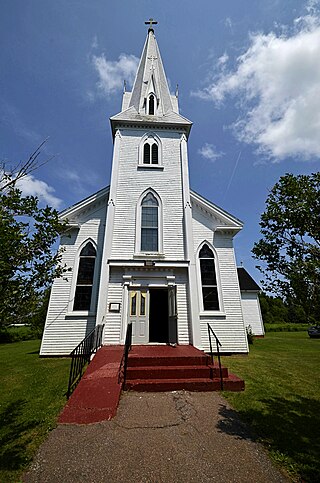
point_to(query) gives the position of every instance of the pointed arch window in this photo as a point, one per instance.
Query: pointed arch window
(151, 105)
(208, 279)
(150, 151)
(149, 224)
(83, 293)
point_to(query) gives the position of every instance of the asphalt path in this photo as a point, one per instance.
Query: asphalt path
(168, 437)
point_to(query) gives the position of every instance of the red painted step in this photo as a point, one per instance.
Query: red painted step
(168, 372)
(163, 385)
(175, 372)
(166, 368)
(163, 355)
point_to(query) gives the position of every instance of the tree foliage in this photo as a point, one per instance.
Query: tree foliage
(28, 263)
(290, 245)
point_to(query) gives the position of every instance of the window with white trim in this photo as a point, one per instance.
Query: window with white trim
(150, 151)
(149, 224)
(83, 293)
(208, 279)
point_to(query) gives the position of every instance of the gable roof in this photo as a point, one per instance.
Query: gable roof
(246, 282)
(228, 221)
(72, 211)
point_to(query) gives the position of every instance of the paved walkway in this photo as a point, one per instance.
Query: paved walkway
(156, 438)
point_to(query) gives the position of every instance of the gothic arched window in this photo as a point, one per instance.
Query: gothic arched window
(150, 151)
(208, 279)
(149, 224)
(151, 105)
(83, 293)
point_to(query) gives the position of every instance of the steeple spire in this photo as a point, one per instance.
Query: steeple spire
(150, 100)
(151, 79)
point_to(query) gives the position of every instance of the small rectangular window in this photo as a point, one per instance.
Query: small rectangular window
(133, 310)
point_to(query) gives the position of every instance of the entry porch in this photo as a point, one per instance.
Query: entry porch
(155, 368)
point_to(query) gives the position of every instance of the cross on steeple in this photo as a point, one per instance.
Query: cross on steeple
(151, 22)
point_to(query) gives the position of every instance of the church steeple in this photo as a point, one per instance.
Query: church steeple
(151, 81)
(150, 100)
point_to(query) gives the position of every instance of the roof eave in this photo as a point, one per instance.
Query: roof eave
(115, 124)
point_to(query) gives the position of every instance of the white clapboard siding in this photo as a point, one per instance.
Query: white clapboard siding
(181, 280)
(252, 312)
(166, 182)
(229, 324)
(64, 329)
(113, 320)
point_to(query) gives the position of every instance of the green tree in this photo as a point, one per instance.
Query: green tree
(290, 245)
(28, 263)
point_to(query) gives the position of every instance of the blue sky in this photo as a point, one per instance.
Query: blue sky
(248, 74)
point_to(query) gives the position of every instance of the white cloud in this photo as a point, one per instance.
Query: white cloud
(113, 73)
(94, 43)
(223, 59)
(31, 186)
(208, 151)
(228, 22)
(277, 86)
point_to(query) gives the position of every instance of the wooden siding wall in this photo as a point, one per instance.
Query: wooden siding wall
(229, 326)
(64, 329)
(166, 182)
(252, 313)
(182, 307)
(113, 320)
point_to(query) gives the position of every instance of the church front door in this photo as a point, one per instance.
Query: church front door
(139, 316)
(149, 311)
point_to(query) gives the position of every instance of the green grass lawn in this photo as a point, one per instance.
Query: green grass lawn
(281, 401)
(31, 397)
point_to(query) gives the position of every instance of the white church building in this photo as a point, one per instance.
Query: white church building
(147, 249)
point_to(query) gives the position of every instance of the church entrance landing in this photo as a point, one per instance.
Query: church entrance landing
(152, 368)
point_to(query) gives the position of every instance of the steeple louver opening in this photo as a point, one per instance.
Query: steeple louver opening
(154, 158)
(151, 105)
(146, 154)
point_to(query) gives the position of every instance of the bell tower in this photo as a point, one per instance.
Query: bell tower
(148, 241)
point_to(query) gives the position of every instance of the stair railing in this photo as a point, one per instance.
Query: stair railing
(218, 345)
(124, 361)
(81, 355)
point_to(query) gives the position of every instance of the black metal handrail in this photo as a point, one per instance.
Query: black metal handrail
(124, 361)
(218, 343)
(81, 355)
